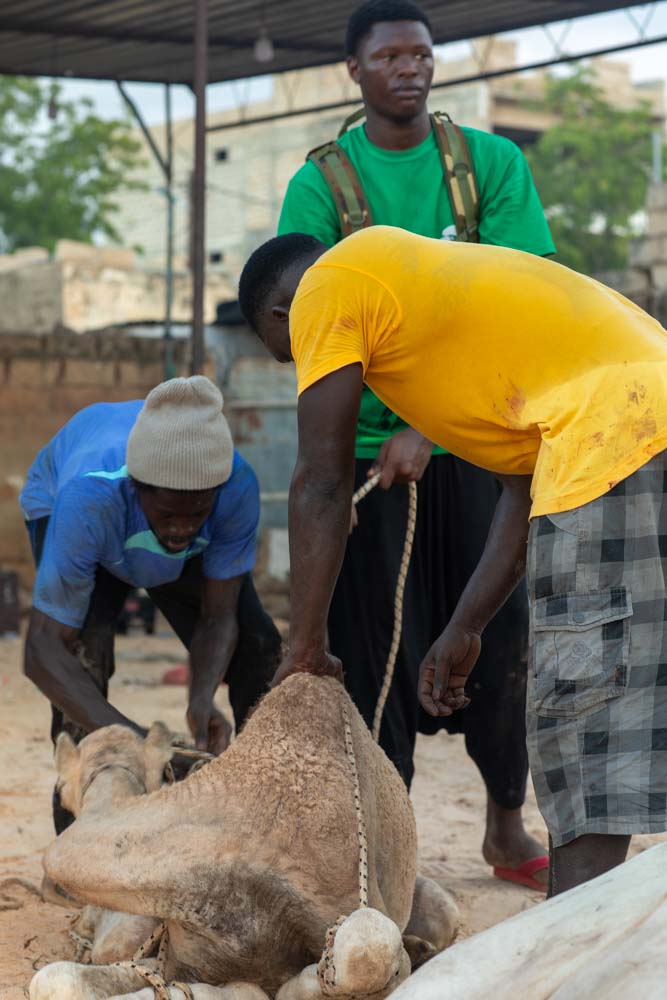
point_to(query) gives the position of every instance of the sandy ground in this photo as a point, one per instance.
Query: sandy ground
(448, 797)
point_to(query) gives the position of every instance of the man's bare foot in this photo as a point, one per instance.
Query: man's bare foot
(507, 844)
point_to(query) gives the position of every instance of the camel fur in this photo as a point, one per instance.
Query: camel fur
(251, 860)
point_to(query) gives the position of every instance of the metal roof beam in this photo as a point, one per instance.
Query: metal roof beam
(64, 29)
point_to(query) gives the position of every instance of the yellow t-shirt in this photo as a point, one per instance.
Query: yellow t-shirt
(512, 362)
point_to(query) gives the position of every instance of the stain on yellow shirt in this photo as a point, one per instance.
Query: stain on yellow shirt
(510, 361)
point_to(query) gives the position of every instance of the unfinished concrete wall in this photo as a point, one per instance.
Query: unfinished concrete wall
(31, 295)
(90, 288)
(45, 380)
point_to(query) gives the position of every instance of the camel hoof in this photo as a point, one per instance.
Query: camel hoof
(435, 916)
(419, 951)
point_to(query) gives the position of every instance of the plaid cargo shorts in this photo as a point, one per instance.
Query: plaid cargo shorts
(597, 679)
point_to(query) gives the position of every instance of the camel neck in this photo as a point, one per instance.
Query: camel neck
(113, 782)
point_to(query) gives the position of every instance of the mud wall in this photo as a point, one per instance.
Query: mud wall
(44, 380)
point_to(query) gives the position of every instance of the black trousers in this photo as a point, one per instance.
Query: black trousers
(250, 670)
(456, 502)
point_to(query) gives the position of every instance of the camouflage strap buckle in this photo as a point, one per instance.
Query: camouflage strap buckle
(341, 178)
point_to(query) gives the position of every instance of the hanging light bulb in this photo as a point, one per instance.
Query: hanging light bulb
(52, 107)
(263, 50)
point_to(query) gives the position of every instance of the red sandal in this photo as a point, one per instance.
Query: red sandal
(523, 874)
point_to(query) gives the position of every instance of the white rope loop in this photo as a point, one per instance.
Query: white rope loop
(158, 983)
(155, 938)
(154, 979)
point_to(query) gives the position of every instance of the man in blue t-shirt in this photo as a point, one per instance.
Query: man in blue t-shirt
(146, 494)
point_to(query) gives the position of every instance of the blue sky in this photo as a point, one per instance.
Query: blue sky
(647, 63)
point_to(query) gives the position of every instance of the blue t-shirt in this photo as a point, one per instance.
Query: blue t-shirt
(79, 479)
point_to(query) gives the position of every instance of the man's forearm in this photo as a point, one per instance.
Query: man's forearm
(503, 561)
(319, 517)
(211, 650)
(60, 676)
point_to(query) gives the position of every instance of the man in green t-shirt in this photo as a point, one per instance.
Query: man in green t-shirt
(390, 56)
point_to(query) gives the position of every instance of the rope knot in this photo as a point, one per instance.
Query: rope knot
(363, 957)
(326, 970)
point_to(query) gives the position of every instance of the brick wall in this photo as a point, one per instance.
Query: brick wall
(44, 381)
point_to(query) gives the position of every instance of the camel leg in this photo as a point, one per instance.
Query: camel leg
(200, 991)
(118, 935)
(117, 877)
(71, 981)
(433, 922)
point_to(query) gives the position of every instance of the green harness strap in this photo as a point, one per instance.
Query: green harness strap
(459, 173)
(458, 170)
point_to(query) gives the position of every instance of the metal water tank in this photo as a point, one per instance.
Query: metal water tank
(260, 404)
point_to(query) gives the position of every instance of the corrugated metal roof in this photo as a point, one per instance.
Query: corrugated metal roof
(151, 40)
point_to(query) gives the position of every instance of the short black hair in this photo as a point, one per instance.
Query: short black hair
(266, 266)
(376, 11)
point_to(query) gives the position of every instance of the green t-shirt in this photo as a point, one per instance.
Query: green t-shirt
(407, 189)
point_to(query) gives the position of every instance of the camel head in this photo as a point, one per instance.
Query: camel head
(108, 749)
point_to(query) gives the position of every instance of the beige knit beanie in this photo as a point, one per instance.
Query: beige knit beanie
(181, 440)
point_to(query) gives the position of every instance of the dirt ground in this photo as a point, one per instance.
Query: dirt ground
(448, 797)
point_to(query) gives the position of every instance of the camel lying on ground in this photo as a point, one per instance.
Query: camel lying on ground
(604, 940)
(250, 860)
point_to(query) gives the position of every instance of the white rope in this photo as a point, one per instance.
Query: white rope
(364, 490)
(358, 808)
(398, 595)
(156, 981)
(384, 691)
(156, 977)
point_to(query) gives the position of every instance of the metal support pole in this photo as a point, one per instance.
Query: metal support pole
(199, 184)
(657, 143)
(166, 165)
(169, 367)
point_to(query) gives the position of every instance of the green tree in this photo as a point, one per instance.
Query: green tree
(592, 170)
(58, 175)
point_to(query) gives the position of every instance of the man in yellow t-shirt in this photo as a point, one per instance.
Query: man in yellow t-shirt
(559, 386)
